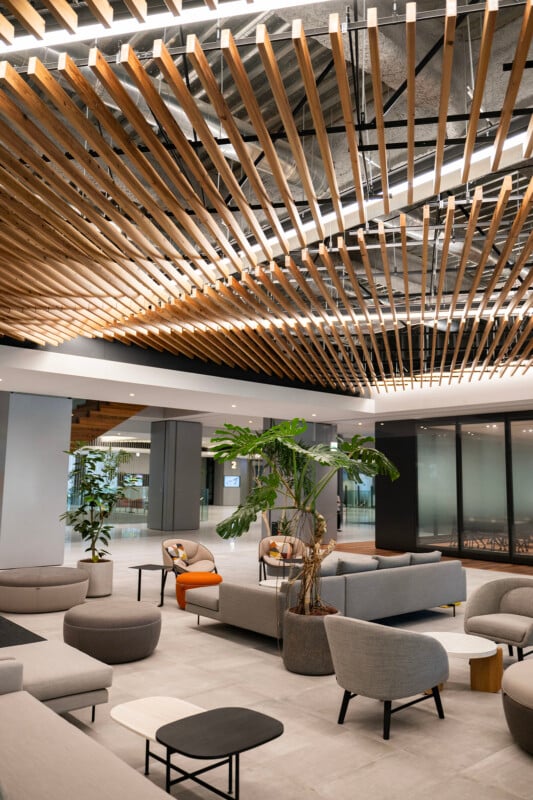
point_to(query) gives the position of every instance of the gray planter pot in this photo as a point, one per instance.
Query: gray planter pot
(305, 645)
(100, 577)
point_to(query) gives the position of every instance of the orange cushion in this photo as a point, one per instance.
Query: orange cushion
(198, 579)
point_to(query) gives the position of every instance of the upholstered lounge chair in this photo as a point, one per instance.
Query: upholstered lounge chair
(385, 663)
(197, 556)
(502, 610)
(289, 551)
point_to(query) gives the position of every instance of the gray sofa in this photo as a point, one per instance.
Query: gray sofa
(44, 756)
(369, 595)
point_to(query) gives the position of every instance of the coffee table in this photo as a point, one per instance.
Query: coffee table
(147, 714)
(486, 658)
(221, 733)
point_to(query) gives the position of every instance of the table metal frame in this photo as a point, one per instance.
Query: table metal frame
(152, 567)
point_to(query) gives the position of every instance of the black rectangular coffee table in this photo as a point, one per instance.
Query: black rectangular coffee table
(222, 733)
(153, 567)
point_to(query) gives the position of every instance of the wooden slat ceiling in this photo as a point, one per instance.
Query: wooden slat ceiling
(130, 213)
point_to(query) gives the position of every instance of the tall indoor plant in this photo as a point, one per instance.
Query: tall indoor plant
(95, 476)
(293, 482)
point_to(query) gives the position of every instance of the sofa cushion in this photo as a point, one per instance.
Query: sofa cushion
(387, 562)
(349, 565)
(205, 597)
(518, 601)
(54, 669)
(425, 558)
(329, 566)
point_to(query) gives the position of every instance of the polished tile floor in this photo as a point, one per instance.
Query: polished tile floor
(468, 756)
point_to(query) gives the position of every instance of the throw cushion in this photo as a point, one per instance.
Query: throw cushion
(177, 552)
(328, 567)
(386, 562)
(425, 558)
(347, 566)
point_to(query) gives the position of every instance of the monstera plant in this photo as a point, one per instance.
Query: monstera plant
(294, 477)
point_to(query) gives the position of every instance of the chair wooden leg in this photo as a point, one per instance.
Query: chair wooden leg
(438, 702)
(347, 696)
(387, 713)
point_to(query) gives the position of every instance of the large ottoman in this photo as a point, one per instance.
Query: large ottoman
(517, 696)
(30, 590)
(113, 631)
(194, 580)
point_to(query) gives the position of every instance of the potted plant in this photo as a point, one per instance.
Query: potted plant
(95, 477)
(293, 480)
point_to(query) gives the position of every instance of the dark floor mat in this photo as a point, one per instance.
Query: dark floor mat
(11, 634)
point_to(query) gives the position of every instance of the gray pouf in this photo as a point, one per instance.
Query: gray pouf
(517, 696)
(114, 631)
(31, 590)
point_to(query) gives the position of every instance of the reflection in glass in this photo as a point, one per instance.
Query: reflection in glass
(522, 449)
(437, 486)
(485, 524)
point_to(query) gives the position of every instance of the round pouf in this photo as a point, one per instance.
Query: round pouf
(113, 631)
(194, 580)
(34, 590)
(517, 696)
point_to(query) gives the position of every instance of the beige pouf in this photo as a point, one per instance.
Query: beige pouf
(113, 631)
(517, 696)
(31, 590)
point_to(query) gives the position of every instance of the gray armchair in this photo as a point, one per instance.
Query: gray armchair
(385, 663)
(502, 611)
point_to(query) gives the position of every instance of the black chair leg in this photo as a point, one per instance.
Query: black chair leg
(93, 713)
(347, 696)
(438, 702)
(387, 713)
(520, 653)
(510, 647)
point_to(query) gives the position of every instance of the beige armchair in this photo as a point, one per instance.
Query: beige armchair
(502, 611)
(289, 552)
(385, 663)
(197, 557)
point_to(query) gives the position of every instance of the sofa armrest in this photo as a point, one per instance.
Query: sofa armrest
(10, 675)
(256, 608)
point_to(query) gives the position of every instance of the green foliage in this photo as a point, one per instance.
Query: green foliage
(296, 474)
(94, 474)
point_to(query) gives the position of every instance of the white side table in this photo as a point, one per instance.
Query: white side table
(147, 714)
(486, 658)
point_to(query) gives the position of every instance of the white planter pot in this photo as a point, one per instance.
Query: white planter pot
(100, 577)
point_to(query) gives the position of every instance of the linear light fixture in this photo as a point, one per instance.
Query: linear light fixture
(131, 26)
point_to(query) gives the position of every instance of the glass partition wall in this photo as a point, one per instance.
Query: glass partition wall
(475, 487)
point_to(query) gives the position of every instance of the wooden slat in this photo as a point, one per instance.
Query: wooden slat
(410, 46)
(102, 10)
(373, 44)
(174, 6)
(392, 304)
(519, 61)
(341, 72)
(208, 80)
(65, 15)
(7, 30)
(306, 70)
(448, 230)
(423, 287)
(446, 79)
(272, 71)
(137, 9)
(176, 83)
(528, 144)
(242, 82)
(28, 17)
(485, 47)
(405, 274)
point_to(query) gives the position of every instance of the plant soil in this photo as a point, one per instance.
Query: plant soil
(316, 612)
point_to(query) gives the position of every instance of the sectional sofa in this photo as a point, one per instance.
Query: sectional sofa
(373, 590)
(43, 756)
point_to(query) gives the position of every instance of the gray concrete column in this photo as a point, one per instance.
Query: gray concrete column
(34, 433)
(175, 475)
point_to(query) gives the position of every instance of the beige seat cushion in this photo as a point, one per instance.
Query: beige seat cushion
(501, 627)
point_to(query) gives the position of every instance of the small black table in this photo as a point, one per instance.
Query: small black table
(222, 733)
(164, 572)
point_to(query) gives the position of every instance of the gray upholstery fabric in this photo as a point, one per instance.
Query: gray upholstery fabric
(255, 608)
(10, 675)
(41, 589)
(517, 682)
(389, 562)
(502, 610)
(517, 697)
(425, 558)
(206, 597)
(114, 631)
(44, 756)
(52, 669)
(350, 564)
(382, 662)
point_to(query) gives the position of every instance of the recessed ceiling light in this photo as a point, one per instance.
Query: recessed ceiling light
(250, 421)
(132, 394)
(313, 415)
(359, 423)
(234, 405)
